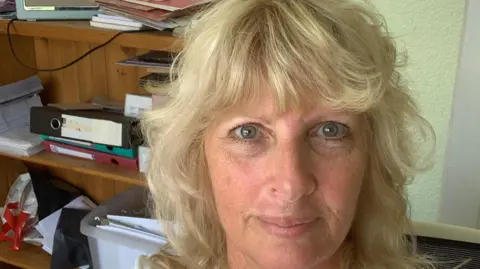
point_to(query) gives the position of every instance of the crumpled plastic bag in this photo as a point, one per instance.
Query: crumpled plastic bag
(20, 212)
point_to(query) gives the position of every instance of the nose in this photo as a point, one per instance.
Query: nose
(291, 177)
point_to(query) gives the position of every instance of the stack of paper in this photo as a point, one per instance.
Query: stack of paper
(48, 225)
(115, 22)
(15, 102)
(16, 113)
(7, 6)
(20, 142)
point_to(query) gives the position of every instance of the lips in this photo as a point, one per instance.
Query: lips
(285, 222)
(287, 226)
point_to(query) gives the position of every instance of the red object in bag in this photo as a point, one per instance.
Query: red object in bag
(14, 224)
(9, 222)
(20, 212)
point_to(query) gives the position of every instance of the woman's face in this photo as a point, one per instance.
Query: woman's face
(285, 185)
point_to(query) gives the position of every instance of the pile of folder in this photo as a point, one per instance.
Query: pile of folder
(88, 131)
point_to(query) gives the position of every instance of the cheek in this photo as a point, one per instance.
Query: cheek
(340, 182)
(235, 182)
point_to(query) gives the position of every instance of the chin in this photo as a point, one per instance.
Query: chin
(288, 257)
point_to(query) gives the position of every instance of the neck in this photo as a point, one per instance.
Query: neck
(239, 260)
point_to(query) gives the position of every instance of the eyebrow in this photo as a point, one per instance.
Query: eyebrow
(312, 121)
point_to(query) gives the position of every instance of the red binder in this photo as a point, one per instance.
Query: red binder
(97, 156)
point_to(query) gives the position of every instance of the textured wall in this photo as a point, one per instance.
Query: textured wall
(430, 31)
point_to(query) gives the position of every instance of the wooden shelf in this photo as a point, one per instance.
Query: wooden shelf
(81, 31)
(83, 166)
(29, 256)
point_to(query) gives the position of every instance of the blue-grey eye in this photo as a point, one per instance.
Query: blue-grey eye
(248, 131)
(332, 130)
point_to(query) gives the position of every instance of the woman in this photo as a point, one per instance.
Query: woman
(285, 144)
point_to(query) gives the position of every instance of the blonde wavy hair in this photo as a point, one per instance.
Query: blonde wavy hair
(335, 51)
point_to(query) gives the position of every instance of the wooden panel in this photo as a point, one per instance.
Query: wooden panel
(121, 186)
(83, 166)
(55, 55)
(10, 69)
(10, 169)
(70, 86)
(120, 79)
(98, 74)
(29, 257)
(97, 188)
(90, 77)
(64, 84)
(43, 62)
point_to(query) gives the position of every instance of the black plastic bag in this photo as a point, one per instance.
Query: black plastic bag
(70, 246)
(52, 193)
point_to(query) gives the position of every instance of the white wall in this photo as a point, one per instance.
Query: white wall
(430, 30)
(460, 204)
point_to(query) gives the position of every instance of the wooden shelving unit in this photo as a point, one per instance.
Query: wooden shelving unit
(52, 44)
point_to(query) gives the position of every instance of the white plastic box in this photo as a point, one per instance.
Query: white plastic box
(143, 156)
(112, 250)
(136, 104)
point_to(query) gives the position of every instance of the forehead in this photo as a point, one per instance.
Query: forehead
(266, 106)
